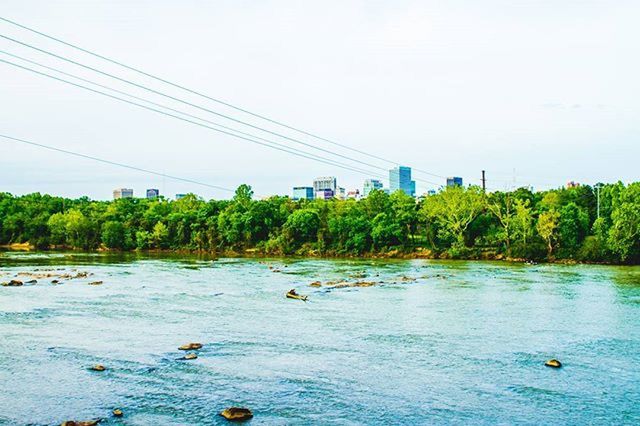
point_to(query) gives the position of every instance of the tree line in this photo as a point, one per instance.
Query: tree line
(566, 223)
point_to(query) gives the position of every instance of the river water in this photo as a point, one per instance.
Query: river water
(433, 342)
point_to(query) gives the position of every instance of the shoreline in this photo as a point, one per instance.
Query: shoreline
(258, 254)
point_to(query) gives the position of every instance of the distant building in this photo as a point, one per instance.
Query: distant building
(180, 196)
(303, 193)
(153, 193)
(341, 193)
(370, 185)
(454, 181)
(400, 179)
(325, 187)
(324, 194)
(572, 184)
(353, 195)
(431, 192)
(325, 182)
(122, 193)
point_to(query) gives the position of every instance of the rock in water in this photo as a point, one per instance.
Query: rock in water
(237, 414)
(95, 283)
(117, 412)
(13, 283)
(80, 423)
(553, 363)
(98, 367)
(191, 347)
(190, 356)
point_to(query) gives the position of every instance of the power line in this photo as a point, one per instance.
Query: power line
(290, 151)
(187, 102)
(175, 110)
(237, 108)
(115, 163)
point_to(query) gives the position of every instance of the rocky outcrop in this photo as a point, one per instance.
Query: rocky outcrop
(190, 347)
(553, 363)
(237, 414)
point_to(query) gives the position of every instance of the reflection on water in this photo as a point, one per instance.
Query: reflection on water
(431, 342)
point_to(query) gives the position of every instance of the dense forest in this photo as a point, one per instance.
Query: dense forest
(561, 224)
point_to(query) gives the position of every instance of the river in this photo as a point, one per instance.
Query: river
(432, 342)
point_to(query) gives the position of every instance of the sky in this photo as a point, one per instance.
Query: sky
(534, 92)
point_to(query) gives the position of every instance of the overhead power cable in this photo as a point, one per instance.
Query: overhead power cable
(334, 162)
(221, 102)
(187, 102)
(115, 163)
(288, 150)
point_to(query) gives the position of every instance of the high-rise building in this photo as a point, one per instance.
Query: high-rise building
(153, 193)
(324, 194)
(325, 182)
(302, 193)
(370, 185)
(400, 179)
(325, 187)
(122, 193)
(454, 181)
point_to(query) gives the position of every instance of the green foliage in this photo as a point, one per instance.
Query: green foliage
(113, 235)
(573, 227)
(547, 227)
(456, 222)
(452, 211)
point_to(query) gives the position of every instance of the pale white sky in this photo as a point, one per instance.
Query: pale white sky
(548, 88)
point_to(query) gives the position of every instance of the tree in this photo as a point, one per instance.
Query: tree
(454, 209)
(547, 227)
(523, 221)
(405, 214)
(302, 225)
(160, 235)
(58, 228)
(243, 196)
(113, 235)
(501, 206)
(624, 235)
(573, 226)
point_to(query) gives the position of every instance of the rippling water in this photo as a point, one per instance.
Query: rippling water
(464, 343)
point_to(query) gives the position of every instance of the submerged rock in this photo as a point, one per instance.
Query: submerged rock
(98, 367)
(13, 283)
(237, 414)
(190, 347)
(315, 284)
(347, 284)
(553, 363)
(291, 294)
(96, 283)
(118, 412)
(31, 282)
(55, 281)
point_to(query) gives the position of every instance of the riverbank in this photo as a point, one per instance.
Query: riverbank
(260, 254)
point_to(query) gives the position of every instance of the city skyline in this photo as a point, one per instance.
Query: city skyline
(588, 134)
